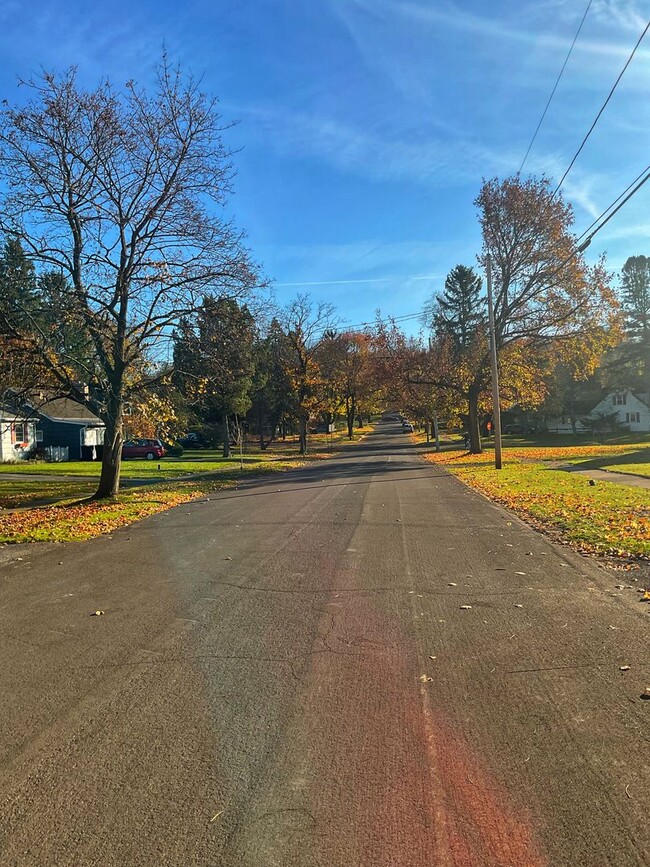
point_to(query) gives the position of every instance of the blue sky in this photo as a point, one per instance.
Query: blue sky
(366, 126)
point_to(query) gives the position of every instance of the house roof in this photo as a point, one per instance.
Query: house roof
(66, 409)
(9, 414)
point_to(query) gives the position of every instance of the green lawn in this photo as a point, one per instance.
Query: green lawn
(191, 462)
(605, 519)
(634, 460)
(20, 493)
(635, 469)
(47, 509)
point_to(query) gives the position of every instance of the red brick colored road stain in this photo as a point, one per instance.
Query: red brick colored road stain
(400, 786)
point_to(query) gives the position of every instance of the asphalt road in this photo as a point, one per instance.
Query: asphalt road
(285, 676)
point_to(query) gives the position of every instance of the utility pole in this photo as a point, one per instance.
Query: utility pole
(496, 405)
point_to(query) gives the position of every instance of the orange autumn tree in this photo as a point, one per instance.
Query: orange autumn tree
(548, 302)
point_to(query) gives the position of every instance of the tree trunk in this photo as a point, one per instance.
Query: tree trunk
(303, 434)
(427, 430)
(436, 432)
(350, 412)
(475, 445)
(109, 480)
(226, 437)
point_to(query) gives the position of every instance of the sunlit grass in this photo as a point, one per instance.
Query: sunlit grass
(67, 520)
(605, 518)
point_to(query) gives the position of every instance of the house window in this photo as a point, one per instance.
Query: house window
(633, 416)
(39, 436)
(620, 399)
(18, 433)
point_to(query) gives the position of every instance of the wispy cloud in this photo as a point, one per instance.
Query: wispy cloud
(380, 154)
(454, 17)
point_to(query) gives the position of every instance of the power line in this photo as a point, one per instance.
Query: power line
(602, 108)
(622, 198)
(557, 81)
(345, 327)
(611, 205)
(638, 186)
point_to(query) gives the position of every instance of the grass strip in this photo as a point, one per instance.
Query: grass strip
(601, 519)
(70, 521)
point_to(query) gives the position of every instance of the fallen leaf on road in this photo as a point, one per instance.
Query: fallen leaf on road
(646, 693)
(466, 607)
(425, 678)
(227, 558)
(518, 606)
(624, 668)
(433, 657)
(452, 584)
(216, 815)
(97, 613)
(520, 573)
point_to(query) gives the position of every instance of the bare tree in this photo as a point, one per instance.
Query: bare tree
(304, 325)
(123, 193)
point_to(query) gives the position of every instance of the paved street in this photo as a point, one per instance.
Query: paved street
(285, 676)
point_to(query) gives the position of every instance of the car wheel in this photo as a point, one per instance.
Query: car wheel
(150, 456)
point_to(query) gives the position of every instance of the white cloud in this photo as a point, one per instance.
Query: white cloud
(380, 154)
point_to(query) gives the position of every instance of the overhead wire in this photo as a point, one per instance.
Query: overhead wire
(638, 184)
(611, 205)
(602, 109)
(557, 81)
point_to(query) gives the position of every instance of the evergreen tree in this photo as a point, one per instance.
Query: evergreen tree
(18, 302)
(460, 309)
(214, 362)
(635, 297)
(272, 396)
(635, 301)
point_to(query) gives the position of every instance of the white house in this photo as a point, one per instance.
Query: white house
(17, 435)
(632, 410)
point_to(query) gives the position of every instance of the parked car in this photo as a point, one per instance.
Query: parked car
(407, 427)
(173, 450)
(149, 449)
(518, 429)
(193, 440)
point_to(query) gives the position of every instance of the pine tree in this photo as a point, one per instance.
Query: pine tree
(214, 362)
(635, 297)
(460, 309)
(635, 301)
(18, 300)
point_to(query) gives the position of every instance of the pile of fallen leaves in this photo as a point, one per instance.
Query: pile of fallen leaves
(605, 519)
(66, 522)
(558, 453)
